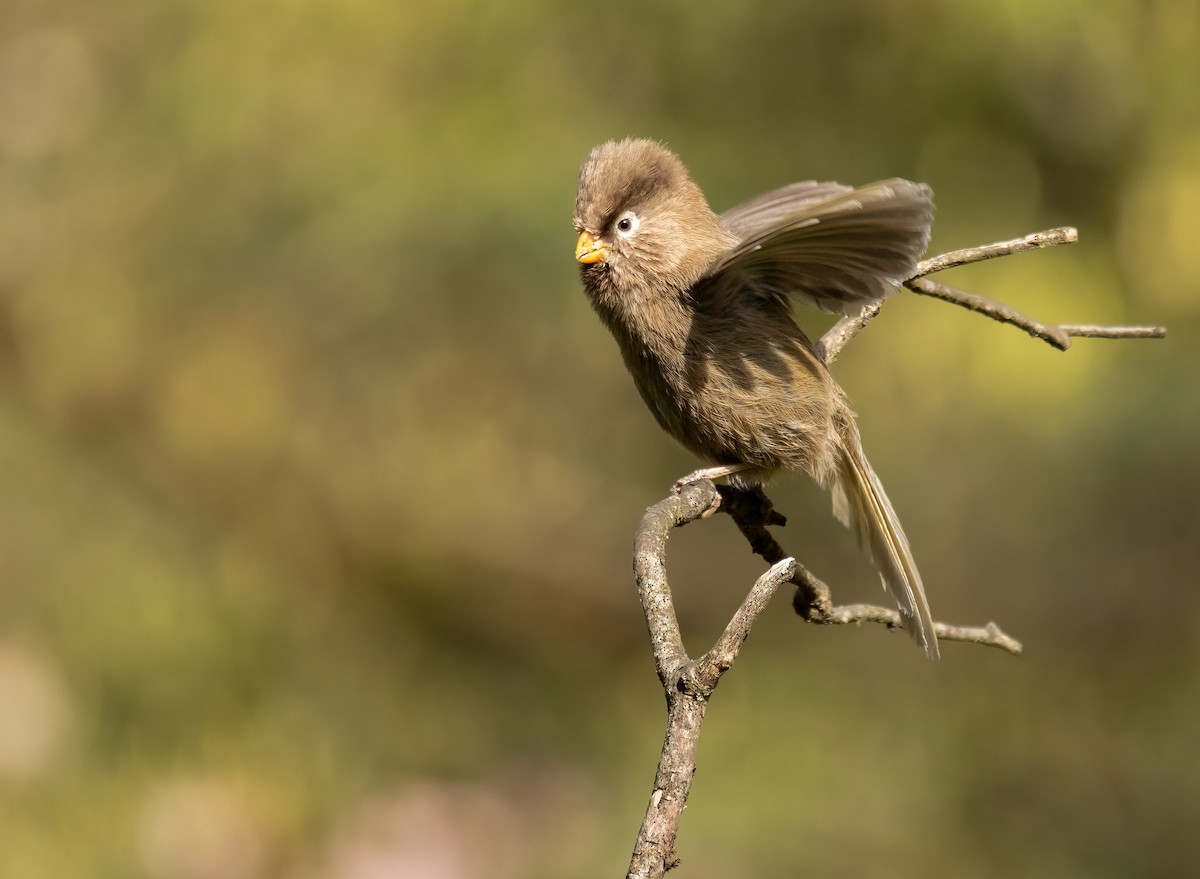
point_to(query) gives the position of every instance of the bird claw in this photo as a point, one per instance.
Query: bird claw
(697, 476)
(684, 481)
(707, 473)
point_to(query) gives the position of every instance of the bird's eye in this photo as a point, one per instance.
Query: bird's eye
(627, 224)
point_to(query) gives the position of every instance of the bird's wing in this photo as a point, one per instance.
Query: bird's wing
(828, 245)
(770, 208)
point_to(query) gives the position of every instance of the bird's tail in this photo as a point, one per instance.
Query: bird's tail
(859, 499)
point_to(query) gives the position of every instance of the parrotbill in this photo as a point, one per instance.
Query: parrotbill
(701, 309)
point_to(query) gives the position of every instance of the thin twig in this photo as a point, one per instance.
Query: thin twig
(1057, 335)
(841, 333)
(752, 511)
(650, 569)
(997, 311)
(989, 635)
(720, 657)
(1092, 331)
(1032, 241)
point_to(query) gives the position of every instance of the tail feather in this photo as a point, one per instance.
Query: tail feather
(859, 498)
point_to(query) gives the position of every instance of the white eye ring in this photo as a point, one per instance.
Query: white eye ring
(626, 224)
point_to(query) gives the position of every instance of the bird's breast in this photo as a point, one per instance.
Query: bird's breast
(741, 397)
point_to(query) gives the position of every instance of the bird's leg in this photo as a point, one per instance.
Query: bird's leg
(708, 473)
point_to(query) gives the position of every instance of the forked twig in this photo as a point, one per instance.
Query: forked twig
(1058, 335)
(989, 634)
(752, 511)
(686, 683)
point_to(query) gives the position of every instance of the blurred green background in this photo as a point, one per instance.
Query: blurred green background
(320, 477)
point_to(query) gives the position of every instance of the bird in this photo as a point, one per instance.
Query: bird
(700, 305)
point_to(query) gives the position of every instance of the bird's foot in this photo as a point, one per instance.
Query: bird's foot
(708, 473)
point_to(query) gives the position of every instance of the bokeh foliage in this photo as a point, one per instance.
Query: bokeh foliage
(319, 477)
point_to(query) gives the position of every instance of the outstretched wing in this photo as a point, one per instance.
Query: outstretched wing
(828, 245)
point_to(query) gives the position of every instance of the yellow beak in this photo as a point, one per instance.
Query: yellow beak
(588, 250)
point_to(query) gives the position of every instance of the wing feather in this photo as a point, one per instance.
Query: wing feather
(828, 245)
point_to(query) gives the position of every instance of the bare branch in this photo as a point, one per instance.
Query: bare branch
(752, 511)
(1057, 335)
(718, 660)
(1091, 331)
(989, 635)
(1032, 241)
(687, 684)
(997, 311)
(650, 569)
(841, 333)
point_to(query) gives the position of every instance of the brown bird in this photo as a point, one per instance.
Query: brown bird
(700, 306)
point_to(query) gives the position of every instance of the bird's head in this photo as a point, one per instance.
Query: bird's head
(644, 227)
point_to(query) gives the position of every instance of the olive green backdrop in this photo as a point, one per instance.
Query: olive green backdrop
(318, 477)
